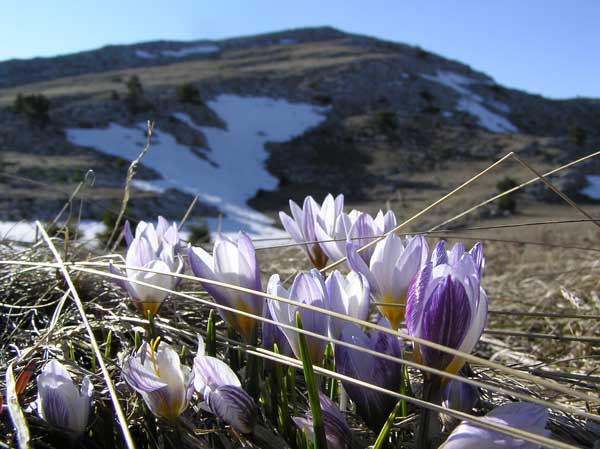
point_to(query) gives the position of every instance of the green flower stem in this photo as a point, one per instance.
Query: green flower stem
(320, 441)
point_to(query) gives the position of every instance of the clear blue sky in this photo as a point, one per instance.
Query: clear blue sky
(550, 47)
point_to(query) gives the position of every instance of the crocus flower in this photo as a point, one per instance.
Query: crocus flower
(153, 251)
(348, 295)
(440, 255)
(157, 374)
(393, 265)
(446, 305)
(233, 262)
(163, 234)
(529, 417)
(337, 431)
(308, 288)
(301, 225)
(374, 407)
(222, 391)
(358, 228)
(60, 403)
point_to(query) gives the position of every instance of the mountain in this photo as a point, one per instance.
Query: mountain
(249, 122)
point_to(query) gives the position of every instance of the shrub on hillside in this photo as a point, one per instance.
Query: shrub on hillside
(188, 93)
(508, 202)
(577, 136)
(134, 98)
(35, 107)
(386, 120)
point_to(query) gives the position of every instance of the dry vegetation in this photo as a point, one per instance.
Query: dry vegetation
(541, 278)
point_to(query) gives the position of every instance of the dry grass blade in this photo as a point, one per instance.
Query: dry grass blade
(15, 411)
(130, 174)
(97, 352)
(514, 189)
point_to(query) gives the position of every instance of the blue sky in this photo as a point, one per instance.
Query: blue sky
(549, 47)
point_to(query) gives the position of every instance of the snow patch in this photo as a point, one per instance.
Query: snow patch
(287, 41)
(238, 152)
(183, 52)
(474, 104)
(593, 188)
(143, 54)
(24, 231)
(146, 186)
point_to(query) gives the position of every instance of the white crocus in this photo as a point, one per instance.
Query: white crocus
(157, 374)
(347, 295)
(393, 265)
(60, 403)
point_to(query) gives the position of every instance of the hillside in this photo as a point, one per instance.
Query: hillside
(355, 114)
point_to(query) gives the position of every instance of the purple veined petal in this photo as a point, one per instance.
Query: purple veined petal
(298, 216)
(127, 234)
(458, 250)
(415, 299)
(339, 204)
(162, 226)
(120, 282)
(357, 264)
(445, 320)
(439, 254)
(478, 321)
(310, 209)
(372, 406)
(160, 276)
(478, 257)
(160, 379)
(60, 403)
(272, 334)
(361, 232)
(327, 215)
(234, 406)
(460, 396)
(282, 312)
(389, 221)
(210, 372)
(337, 431)
(248, 253)
(291, 227)
(327, 243)
(529, 417)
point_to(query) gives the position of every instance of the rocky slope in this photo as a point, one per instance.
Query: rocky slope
(392, 109)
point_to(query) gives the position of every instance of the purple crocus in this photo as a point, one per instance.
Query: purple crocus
(529, 417)
(347, 295)
(222, 391)
(60, 403)
(358, 228)
(457, 395)
(393, 265)
(374, 407)
(446, 305)
(301, 225)
(337, 431)
(440, 255)
(157, 374)
(307, 288)
(233, 262)
(156, 252)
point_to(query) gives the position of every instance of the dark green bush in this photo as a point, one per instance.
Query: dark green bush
(35, 107)
(134, 98)
(577, 136)
(188, 93)
(322, 99)
(386, 120)
(199, 233)
(507, 202)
